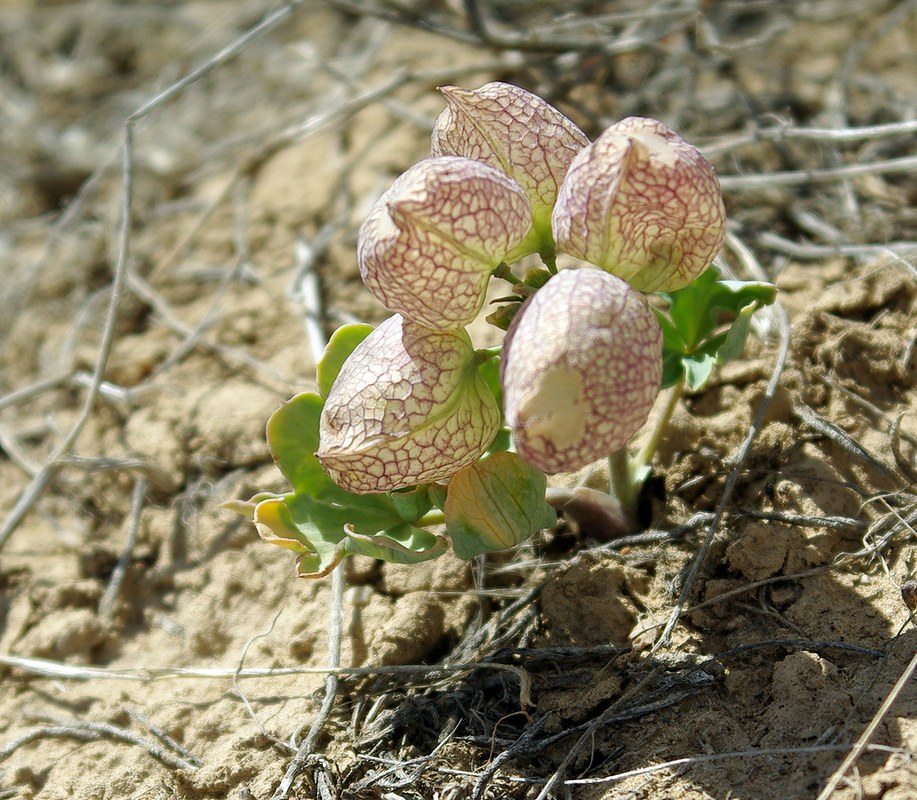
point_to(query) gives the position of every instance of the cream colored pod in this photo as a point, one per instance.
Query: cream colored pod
(408, 407)
(430, 243)
(643, 204)
(517, 132)
(581, 368)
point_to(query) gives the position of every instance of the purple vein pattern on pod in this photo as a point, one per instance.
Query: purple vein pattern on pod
(582, 363)
(430, 243)
(516, 131)
(643, 204)
(408, 407)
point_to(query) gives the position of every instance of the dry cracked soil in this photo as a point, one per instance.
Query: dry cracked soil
(139, 622)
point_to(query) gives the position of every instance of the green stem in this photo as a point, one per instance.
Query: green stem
(626, 475)
(503, 272)
(649, 449)
(621, 481)
(550, 261)
(484, 354)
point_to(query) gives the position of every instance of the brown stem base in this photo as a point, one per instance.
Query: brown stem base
(597, 514)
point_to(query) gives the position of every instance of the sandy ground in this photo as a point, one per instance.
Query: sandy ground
(248, 184)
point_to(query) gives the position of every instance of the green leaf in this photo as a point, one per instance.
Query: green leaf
(673, 351)
(673, 368)
(329, 518)
(247, 507)
(494, 504)
(438, 494)
(698, 369)
(292, 435)
(695, 310)
(342, 343)
(690, 348)
(502, 441)
(318, 553)
(489, 370)
(323, 534)
(744, 292)
(672, 340)
(734, 341)
(411, 504)
(690, 311)
(502, 317)
(536, 278)
(401, 544)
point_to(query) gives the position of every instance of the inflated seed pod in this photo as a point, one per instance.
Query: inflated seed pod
(429, 244)
(516, 131)
(643, 204)
(581, 367)
(408, 407)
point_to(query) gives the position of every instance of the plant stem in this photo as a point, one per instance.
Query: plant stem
(649, 449)
(626, 475)
(550, 261)
(484, 354)
(503, 272)
(621, 481)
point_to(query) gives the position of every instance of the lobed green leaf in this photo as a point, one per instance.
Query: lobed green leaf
(694, 311)
(323, 533)
(734, 339)
(341, 344)
(698, 368)
(690, 347)
(292, 435)
(401, 544)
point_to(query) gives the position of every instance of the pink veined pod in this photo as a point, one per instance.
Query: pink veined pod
(643, 204)
(516, 131)
(408, 407)
(581, 368)
(430, 243)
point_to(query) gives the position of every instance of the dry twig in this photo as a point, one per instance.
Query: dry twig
(107, 603)
(863, 742)
(92, 731)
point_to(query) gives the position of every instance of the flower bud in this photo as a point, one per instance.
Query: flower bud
(516, 131)
(494, 504)
(581, 367)
(643, 204)
(429, 244)
(408, 407)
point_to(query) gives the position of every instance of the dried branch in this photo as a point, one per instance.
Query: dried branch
(92, 731)
(305, 752)
(45, 476)
(863, 742)
(107, 603)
